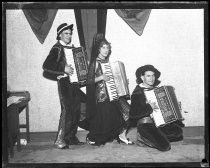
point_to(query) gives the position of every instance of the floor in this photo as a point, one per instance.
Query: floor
(41, 150)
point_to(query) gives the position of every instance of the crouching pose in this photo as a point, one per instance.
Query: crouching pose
(148, 134)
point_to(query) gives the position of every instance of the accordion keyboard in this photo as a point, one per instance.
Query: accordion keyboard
(70, 60)
(110, 84)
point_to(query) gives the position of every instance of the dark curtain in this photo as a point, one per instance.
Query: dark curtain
(90, 22)
(101, 21)
(135, 18)
(40, 21)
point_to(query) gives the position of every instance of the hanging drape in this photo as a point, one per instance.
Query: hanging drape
(40, 21)
(135, 18)
(90, 22)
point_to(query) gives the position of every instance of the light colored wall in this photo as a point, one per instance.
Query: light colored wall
(25, 56)
(172, 41)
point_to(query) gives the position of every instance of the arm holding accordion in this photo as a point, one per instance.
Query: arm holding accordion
(63, 62)
(54, 64)
(117, 85)
(166, 108)
(78, 58)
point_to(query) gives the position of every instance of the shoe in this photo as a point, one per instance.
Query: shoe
(61, 145)
(75, 141)
(125, 141)
(90, 142)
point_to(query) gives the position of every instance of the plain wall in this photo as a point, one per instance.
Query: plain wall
(25, 57)
(172, 41)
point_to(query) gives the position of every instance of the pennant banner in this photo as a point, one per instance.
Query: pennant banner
(40, 21)
(135, 18)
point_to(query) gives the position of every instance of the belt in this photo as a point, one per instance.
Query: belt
(145, 120)
(62, 76)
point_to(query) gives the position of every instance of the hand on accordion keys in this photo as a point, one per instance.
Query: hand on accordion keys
(69, 70)
(105, 77)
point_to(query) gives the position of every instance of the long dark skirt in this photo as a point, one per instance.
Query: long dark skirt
(107, 124)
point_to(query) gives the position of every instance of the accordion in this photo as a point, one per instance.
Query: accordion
(168, 107)
(77, 58)
(117, 86)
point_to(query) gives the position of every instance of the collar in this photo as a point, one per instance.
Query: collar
(145, 88)
(101, 61)
(64, 44)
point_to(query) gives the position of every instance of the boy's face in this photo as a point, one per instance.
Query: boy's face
(66, 36)
(148, 78)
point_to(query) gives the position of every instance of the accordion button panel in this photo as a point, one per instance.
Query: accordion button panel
(110, 84)
(70, 60)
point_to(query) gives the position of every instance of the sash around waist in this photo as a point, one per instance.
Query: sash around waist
(62, 76)
(145, 120)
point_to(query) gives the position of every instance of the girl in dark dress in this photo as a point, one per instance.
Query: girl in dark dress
(104, 120)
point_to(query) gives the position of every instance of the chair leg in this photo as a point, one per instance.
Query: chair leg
(18, 144)
(27, 124)
(11, 151)
(18, 137)
(10, 147)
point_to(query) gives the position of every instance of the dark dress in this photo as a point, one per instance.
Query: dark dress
(148, 133)
(108, 122)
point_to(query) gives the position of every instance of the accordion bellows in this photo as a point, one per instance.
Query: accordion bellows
(77, 58)
(169, 110)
